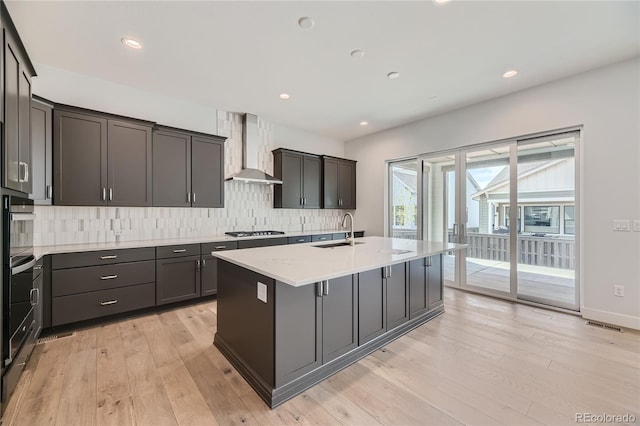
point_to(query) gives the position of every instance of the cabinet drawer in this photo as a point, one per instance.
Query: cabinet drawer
(263, 242)
(79, 307)
(105, 257)
(323, 237)
(207, 248)
(167, 252)
(299, 240)
(94, 278)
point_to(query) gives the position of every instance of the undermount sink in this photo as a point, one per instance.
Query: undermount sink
(342, 243)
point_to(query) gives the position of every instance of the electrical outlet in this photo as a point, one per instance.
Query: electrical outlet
(618, 290)
(636, 225)
(262, 292)
(621, 225)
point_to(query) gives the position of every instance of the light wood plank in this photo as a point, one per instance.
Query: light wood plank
(485, 361)
(115, 402)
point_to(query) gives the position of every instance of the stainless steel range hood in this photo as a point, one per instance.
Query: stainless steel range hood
(250, 172)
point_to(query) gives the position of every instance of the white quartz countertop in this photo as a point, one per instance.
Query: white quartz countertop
(303, 264)
(40, 251)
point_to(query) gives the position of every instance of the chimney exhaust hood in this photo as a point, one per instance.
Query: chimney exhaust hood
(250, 146)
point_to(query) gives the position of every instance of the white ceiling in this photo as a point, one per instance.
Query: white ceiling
(239, 55)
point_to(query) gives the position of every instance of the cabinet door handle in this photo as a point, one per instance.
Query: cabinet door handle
(198, 265)
(319, 288)
(103, 197)
(194, 197)
(23, 166)
(110, 194)
(301, 240)
(109, 302)
(111, 256)
(326, 288)
(180, 250)
(389, 271)
(188, 197)
(49, 192)
(301, 201)
(33, 297)
(109, 277)
(204, 263)
(220, 247)
(427, 262)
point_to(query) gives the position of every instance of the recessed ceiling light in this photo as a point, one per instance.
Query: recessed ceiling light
(393, 75)
(284, 96)
(131, 42)
(442, 1)
(357, 54)
(306, 23)
(364, 123)
(432, 98)
(510, 73)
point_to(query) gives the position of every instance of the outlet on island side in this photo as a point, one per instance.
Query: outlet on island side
(262, 292)
(618, 290)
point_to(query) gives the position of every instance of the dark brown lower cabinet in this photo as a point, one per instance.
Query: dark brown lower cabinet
(339, 317)
(435, 297)
(95, 304)
(315, 324)
(425, 285)
(397, 295)
(299, 329)
(177, 279)
(372, 300)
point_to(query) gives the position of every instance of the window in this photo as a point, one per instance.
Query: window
(570, 220)
(542, 219)
(506, 218)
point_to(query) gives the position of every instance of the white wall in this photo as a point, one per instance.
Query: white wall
(79, 90)
(300, 140)
(606, 102)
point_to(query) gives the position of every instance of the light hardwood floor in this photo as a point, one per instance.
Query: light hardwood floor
(484, 361)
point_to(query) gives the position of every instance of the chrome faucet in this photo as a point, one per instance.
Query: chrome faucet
(351, 237)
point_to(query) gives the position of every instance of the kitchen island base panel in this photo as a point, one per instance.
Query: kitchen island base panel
(276, 396)
(279, 343)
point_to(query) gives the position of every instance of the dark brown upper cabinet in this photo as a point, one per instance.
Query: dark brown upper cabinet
(339, 183)
(18, 72)
(301, 176)
(188, 169)
(41, 151)
(100, 160)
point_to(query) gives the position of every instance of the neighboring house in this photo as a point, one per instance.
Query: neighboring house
(546, 199)
(405, 193)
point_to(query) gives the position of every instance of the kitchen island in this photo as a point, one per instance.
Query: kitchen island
(291, 316)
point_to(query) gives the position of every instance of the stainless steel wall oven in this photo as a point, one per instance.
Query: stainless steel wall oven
(18, 294)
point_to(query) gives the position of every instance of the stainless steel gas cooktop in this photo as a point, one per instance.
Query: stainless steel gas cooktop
(253, 233)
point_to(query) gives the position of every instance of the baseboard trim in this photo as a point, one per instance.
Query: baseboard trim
(621, 320)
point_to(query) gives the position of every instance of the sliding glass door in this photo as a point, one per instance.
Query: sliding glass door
(486, 184)
(514, 205)
(546, 220)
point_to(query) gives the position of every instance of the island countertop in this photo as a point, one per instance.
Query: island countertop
(302, 264)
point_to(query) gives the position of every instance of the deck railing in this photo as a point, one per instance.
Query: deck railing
(553, 252)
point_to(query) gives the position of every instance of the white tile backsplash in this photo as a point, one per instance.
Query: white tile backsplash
(247, 207)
